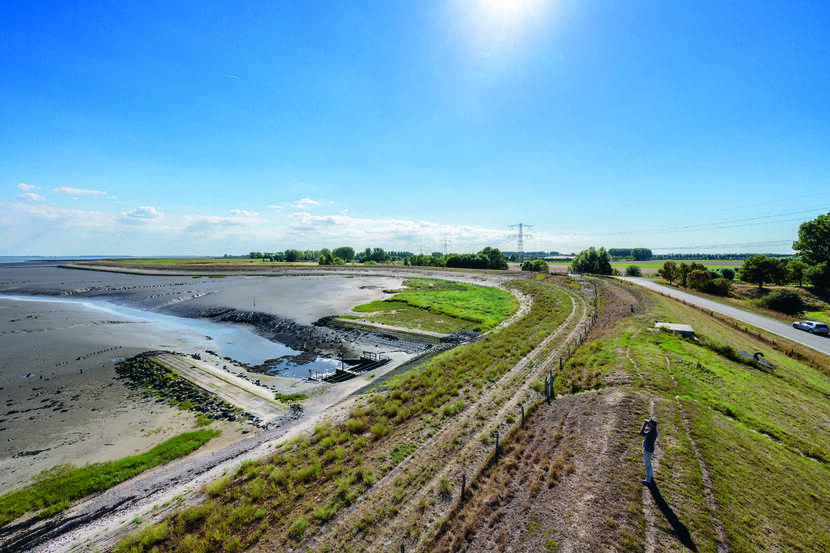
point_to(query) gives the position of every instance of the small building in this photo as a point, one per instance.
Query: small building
(684, 330)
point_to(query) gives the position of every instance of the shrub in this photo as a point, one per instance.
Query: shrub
(537, 265)
(783, 301)
(633, 271)
(727, 273)
(720, 287)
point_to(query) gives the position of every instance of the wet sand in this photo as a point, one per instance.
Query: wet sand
(59, 399)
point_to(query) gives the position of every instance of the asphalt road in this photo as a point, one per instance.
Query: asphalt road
(818, 343)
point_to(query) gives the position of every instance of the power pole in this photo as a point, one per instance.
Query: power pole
(520, 236)
(445, 247)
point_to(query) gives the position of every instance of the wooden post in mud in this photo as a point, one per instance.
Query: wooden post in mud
(523, 414)
(497, 446)
(463, 485)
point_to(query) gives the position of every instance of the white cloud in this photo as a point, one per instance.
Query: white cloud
(391, 233)
(305, 203)
(78, 191)
(275, 207)
(141, 215)
(244, 213)
(26, 187)
(31, 196)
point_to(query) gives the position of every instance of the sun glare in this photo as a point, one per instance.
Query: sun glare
(501, 25)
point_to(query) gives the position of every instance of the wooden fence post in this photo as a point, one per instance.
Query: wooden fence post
(523, 414)
(463, 485)
(497, 446)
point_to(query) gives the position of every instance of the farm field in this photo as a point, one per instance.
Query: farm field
(651, 267)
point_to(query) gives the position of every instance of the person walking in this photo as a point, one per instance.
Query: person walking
(649, 430)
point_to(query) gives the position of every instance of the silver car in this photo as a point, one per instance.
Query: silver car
(812, 327)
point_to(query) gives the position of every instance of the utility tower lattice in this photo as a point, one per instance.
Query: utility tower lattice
(520, 236)
(444, 243)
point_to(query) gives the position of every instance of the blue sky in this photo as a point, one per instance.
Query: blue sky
(152, 128)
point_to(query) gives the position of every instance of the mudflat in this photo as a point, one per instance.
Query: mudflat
(60, 400)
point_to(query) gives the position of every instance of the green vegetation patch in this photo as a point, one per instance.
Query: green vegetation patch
(53, 490)
(443, 306)
(290, 398)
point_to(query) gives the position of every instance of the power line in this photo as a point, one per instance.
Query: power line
(520, 236)
(717, 225)
(733, 245)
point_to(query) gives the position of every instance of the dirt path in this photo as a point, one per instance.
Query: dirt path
(649, 510)
(439, 451)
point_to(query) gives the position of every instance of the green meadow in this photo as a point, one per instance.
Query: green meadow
(442, 306)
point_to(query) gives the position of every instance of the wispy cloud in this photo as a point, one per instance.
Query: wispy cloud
(78, 191)
(234, 77)
(244, 213)
(32, 196)
(26, 187)
(141, 215)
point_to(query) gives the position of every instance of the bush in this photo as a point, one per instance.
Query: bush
(720, 287)
(537, 265)
(783, 301)
(633, 271)
(727, 273)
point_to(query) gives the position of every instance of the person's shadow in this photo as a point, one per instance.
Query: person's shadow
(678, 528)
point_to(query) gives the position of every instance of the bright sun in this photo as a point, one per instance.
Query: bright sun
(501, 24)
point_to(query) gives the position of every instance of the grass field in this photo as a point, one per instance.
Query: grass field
(55, 490)
(765, 435)
(442, 306)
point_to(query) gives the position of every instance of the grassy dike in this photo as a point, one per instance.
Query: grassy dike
(764, 435)
(54, 490)
(288, 496)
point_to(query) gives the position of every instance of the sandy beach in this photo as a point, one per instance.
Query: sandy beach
(60, 400)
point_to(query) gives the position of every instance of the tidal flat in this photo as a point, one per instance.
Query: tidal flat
(63, 330)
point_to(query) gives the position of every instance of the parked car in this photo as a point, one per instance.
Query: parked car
(812, 327)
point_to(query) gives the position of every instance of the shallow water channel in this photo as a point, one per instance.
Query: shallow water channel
(228, 340)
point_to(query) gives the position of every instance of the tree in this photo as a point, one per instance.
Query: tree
(795, 271)
(345, 253)
(728, 273)
(537, 265)
(633, 271)
(669, 271)
(641, 254)
(593, 261)
(813, 246)
(495, 258)
(759, 269)
(700, 280)
(292, 255)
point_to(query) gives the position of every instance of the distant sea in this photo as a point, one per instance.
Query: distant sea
(46, 258)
